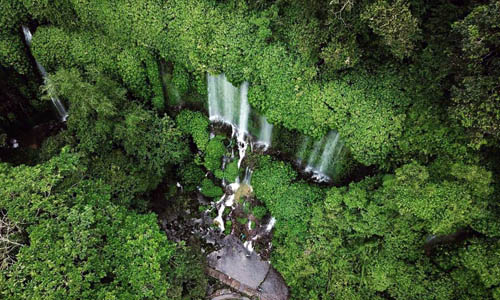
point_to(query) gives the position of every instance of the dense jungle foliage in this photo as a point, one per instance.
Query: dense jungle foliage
(412, 86)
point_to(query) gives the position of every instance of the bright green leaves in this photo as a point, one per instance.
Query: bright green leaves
(30, 193)
(476, 95)
(369, 237)
(180, 80)
(484, 260)
(130, 69)
(92, 106)
(340, 55)
(191, 176)
(154, 141)
(12, 49)
(99, 98)
(230, 172)
(55, 47)
(214, 152)
(12, 14)
(259, 212)
(446, 205)
(51, 47)
(95, 251)
(273, 184)
(196, 125)
(59, 12)
(209, 189)
(347, 102)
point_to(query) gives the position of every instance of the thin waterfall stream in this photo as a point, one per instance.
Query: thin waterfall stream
(319, 158)
(58, 105)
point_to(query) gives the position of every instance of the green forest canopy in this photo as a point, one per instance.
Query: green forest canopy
(412, 86)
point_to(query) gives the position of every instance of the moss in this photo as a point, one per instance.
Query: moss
(259, 212)
(229, 226)
(246, 207)
(209, 189)
(242, 221)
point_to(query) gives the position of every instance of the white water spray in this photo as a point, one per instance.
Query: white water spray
(330, 147)
(248, 176)
(229, 104)
(270, 226)
(322, 157)
(265, 135)
(225, 201)
(249, 246)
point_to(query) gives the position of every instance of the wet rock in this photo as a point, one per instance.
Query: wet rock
(246, 272)
(237, 263)
(274, 286)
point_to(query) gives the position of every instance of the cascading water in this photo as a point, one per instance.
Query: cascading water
(248, 176)
(265, 133)
(229, 104)
(61, 110)
(321, 156)
(330, 147)
(243, 122)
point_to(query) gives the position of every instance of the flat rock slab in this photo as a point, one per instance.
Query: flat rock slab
(236, 262)
(274, 287)
(246, 272)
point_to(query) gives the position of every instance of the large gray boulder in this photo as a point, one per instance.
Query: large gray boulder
(236, 262)
(246, 272)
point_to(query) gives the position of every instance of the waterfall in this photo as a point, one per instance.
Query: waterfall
(330, 147)
(265, 134)
(229, 92)
(225, 201)
(61, 110)
(323, 156)
(270, 225)
(248, 176)
(213, 106)
(243, 121)
(244, 109)
(229, 104)
(314, 155)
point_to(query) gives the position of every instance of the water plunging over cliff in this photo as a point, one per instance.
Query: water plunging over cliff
(61, 110)
(319, 157)
(265, 134)
(229, 104)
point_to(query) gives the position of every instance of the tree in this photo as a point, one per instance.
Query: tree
(477, 57)
(98, 250)
(93, 106)
(11, 240)
(368, 238)
(29, 194)
(153, 141)
(395, 24)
